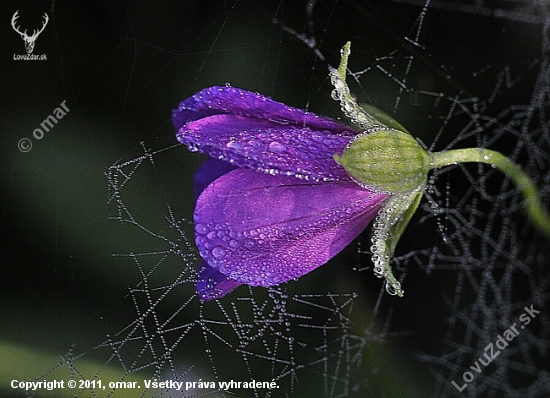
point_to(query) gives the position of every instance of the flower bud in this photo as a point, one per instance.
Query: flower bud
(387, 160)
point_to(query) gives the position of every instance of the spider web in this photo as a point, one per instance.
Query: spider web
(458, 74)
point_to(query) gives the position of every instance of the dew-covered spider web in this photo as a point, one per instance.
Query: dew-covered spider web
(457, 74)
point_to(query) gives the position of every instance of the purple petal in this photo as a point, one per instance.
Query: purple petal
(208, 172)
(253, 131)
(265, 146)
(236, 101)
(263, 230)
(212, 284)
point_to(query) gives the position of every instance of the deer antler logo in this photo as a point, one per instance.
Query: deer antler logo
(29, 40)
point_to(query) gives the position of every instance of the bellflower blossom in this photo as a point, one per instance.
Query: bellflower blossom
(287, 208)
(278, 200)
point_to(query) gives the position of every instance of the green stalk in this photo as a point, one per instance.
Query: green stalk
(534, 207)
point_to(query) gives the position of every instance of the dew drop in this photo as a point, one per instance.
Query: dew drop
(192, 147)
(201, 229)
(234, 145)
(316, 136)
(390, 289)
(249, 243)
(254, 142)
(276, 147)
(204, 254)
(218, 252)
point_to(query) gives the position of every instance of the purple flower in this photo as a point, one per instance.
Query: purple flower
(278, 206)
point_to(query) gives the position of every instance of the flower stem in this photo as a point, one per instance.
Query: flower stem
(534, 207)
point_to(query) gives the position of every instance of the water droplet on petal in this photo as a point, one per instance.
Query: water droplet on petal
(234, 145)
(276, 147)
(192, 147)
(254, 142)
(204, 254)
(218, 252)
(316, 136)
(201, 229)
(249, 243)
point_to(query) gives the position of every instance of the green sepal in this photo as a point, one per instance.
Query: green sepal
(363, 116)
(383, 118)
(399, 227)
(389, 225)
(357, 114)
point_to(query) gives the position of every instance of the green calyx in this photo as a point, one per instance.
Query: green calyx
(386, 160)
(385, 157)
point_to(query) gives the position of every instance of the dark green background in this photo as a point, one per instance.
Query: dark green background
(123, 66)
